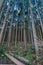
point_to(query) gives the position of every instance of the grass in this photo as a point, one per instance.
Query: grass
(29, 54)
(30, 57)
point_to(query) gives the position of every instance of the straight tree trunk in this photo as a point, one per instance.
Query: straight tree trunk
(39, 17)
(25, 42)
(25, 37)
(34, 31)
(4, 24)
(16, 36)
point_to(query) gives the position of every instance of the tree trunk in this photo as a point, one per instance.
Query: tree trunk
(25, 37)
(16, 36)
(39, 17)
(4, 24)
(34, 32)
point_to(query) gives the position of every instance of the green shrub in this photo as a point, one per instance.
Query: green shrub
(2, 49)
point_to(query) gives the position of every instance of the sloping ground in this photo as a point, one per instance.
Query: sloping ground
(40, 46)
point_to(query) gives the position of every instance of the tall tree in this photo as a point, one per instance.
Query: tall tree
(4, 24)
(39, 16)
(34, 31)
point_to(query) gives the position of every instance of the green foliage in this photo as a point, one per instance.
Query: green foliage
(2, 50)
(30, 57)
(27, 55)
(19, 53)
(30, 49)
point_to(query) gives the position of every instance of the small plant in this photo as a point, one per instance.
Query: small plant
(2, 50)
